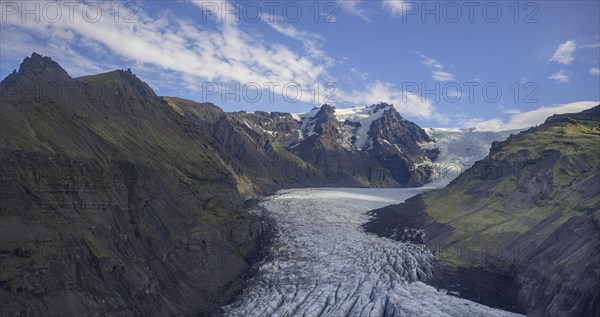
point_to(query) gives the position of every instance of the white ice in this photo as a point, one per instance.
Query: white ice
(459, 150)
(323, 264)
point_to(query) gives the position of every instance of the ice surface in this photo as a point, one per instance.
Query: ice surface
(323, 264)
(459, 150)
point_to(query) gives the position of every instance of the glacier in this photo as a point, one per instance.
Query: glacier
(322, 263)
(459, 149)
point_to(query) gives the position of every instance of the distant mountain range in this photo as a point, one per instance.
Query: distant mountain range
(520, 228)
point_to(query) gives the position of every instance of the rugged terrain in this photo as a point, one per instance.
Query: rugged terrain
(117, 201)
(525, 220)
(363, 146)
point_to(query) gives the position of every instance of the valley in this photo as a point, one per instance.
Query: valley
(118, 201)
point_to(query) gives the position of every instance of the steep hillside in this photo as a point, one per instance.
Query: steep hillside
(261, 164)
(529, 211)
(114, 200)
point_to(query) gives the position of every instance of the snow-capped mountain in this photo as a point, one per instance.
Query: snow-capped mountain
(355, 124)
(374, 145)
(363, 146)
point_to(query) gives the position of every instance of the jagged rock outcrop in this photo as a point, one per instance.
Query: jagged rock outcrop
(524, 220)
(280, 125)
(397, 146)
(362, 146)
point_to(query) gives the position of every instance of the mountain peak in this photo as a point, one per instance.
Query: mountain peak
(326, 110)
(38, 65)
(382, 105)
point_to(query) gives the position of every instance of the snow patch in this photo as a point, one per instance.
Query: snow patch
(365, 117)
(307, 124)
(248, 125)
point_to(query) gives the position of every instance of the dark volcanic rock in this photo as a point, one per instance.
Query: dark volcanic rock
(404, 157)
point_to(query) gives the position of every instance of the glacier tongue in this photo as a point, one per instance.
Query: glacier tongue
(323, 264)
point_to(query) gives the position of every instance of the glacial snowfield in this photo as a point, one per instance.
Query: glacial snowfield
(323, 264)
(459, 150)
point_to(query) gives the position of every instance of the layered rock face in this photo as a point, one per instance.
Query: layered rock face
(529, 211)
(112, 201)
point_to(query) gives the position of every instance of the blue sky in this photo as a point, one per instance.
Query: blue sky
(356, 52)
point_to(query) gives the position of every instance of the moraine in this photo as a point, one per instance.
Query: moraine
(322, 263)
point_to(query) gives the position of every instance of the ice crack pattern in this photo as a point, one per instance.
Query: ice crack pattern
(323, 264)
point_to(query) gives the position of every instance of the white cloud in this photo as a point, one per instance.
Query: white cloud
(361, 74)
(595, 71)
(528, 119)
(406, 104)
(561, 76)
(438, 72)
(225, 53)
(312, 42)
(442, 76)
(589, 45)
(431, 63)
(396, 7)
(352, 7)
(564, 53)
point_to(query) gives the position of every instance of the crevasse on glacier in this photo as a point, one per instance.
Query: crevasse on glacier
(323, 264)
